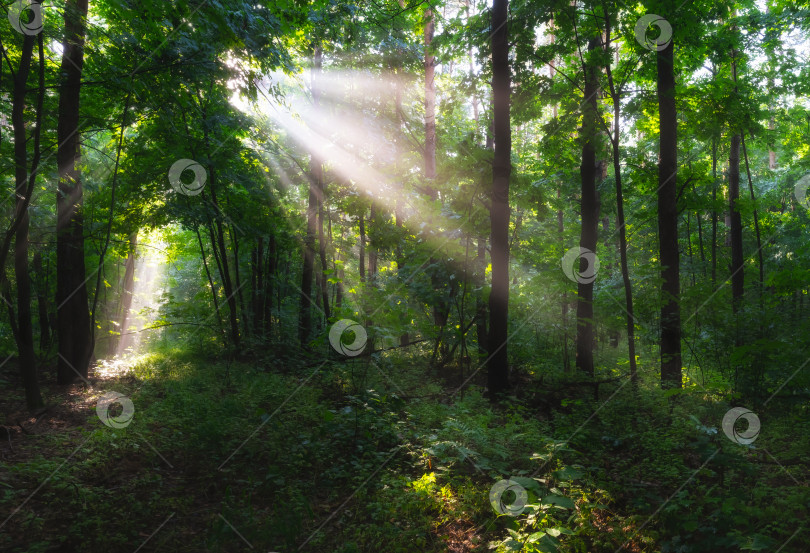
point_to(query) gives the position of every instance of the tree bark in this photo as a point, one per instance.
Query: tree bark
(590, 214)
(668, 220)
(430, 104)
(41, 291)
(756, 217)
(128, 289)
(498, 367)
(73, 316)
(307, 270)
(24, 184)
(737, 273)
(480, 304)
(620, 222)
(714, 211)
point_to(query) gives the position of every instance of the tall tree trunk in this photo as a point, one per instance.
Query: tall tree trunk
(756, 217)
(590, 214)
(270, 279)
(307, 270)
(771, 153)
(430, 105)
(498, 366)
(714, 211)
(258, 287)
(322, 255)
(237, 278)
(128, 289)
(480, 304)
(73, 316)
(106, 244)
(404, 338)
(41, 291)
(362, 260)
(218, 244)
(24, 184)
(668, 220)
(737, 273)
(620, 223)
(372, 243)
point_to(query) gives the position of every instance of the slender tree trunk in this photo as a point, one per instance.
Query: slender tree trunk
(207, 274)
(404, 338)
(737, 273)
(225, 271)
(362, 260)
(668, 221)
(498, 366)
(237, 278)
(73, 316)
(105, 245)
(372, 244)
(714, 211)
(620, 223)
(24, 183)
(430, 104)
(127, 291)
(590, 214)
(480, 304)
(259, 287)
(307, 270)
(322, 255)
(270, 280)
(771, 127)
(41, 291)
(756, 216)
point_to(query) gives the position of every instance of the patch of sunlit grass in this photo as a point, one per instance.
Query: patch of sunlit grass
(123, 365)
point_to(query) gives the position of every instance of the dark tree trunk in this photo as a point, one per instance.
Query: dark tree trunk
(270, 280)
(307, 269)
(362, 261)
(590, 214)
(404, 338)
(24, 184)
(218, 243)
(128, 289)
(714, 211)
(73, 316)
(372, 244)
(237, 278)
(258, 287)
(322, 255)
(480, 304)
(756, 217)
(430, 102)
(41, 290)
(620, 223)
(737, 273)
(668, 221)
(498, 367)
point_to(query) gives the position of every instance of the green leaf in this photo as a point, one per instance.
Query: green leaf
(559, 501)
(567, 474)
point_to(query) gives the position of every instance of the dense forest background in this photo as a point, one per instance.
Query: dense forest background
(404, 275)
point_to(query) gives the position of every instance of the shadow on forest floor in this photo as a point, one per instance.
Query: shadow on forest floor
(372, 456)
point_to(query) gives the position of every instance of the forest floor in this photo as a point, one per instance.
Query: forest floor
(370, 455)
